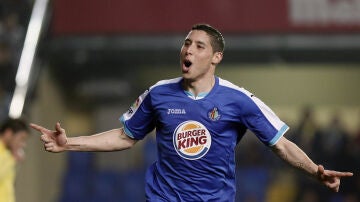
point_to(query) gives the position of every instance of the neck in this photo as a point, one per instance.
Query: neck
(199, 86)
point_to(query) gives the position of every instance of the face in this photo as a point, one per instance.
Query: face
(18, 141)
(197, 58)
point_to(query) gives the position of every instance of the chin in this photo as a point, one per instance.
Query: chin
(188, 78)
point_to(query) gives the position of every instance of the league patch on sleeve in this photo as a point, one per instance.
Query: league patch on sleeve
(134, 107)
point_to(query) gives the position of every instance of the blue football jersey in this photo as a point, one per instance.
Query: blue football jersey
(196, 138)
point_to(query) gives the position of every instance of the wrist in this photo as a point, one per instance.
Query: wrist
(314, 170)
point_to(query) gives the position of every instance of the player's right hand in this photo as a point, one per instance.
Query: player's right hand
(54, 141)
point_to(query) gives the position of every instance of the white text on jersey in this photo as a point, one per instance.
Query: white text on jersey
(176, 111)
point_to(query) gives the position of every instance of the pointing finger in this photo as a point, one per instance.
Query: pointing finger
(38, 128)
(340, 174)
(347, 174)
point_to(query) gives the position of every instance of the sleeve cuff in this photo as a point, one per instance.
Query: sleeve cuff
(278, 135)
(127, 131)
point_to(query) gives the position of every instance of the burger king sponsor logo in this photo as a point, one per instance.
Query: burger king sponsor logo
(191, 140)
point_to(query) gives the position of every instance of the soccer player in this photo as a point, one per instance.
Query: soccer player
(199, 118)
(13, 135)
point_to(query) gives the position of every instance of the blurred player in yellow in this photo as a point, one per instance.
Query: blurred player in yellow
(13, 135)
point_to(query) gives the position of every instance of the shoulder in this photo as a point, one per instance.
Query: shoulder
(227, 85)
(164, 84)
(237, 96)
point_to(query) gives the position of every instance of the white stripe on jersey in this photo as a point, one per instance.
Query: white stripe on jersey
(134, 107)
(168, 81)
(268, 113)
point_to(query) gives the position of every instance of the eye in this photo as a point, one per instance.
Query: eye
(187, 43)
(200, 47)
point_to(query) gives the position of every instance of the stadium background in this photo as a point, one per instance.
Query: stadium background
(301, 57)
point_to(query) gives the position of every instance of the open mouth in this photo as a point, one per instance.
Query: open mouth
(187, 63)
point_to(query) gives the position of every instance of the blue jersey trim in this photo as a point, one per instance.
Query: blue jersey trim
(278, 135)
(127, 131)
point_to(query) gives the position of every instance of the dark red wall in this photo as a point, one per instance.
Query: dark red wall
(176, 16)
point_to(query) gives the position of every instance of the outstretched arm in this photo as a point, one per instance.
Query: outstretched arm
(292, 154)
(57, 140)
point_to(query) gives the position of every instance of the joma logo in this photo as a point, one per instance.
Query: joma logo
(176, 111)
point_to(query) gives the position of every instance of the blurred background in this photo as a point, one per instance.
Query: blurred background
(84, 62)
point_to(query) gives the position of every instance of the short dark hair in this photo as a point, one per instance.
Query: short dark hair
(217, 40)
(15, 125)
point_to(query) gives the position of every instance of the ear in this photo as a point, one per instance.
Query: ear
(217, 57)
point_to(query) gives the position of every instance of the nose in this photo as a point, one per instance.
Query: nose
(189, 50)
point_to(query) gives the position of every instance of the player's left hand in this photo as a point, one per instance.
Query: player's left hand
(331, 178)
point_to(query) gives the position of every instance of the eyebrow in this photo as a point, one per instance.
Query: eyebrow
(197, 42)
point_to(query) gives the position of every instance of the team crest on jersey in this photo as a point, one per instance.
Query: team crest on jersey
(214, 114)
(191, 140)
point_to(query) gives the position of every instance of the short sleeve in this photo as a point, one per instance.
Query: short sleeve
(138, 121)
(262, 121)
